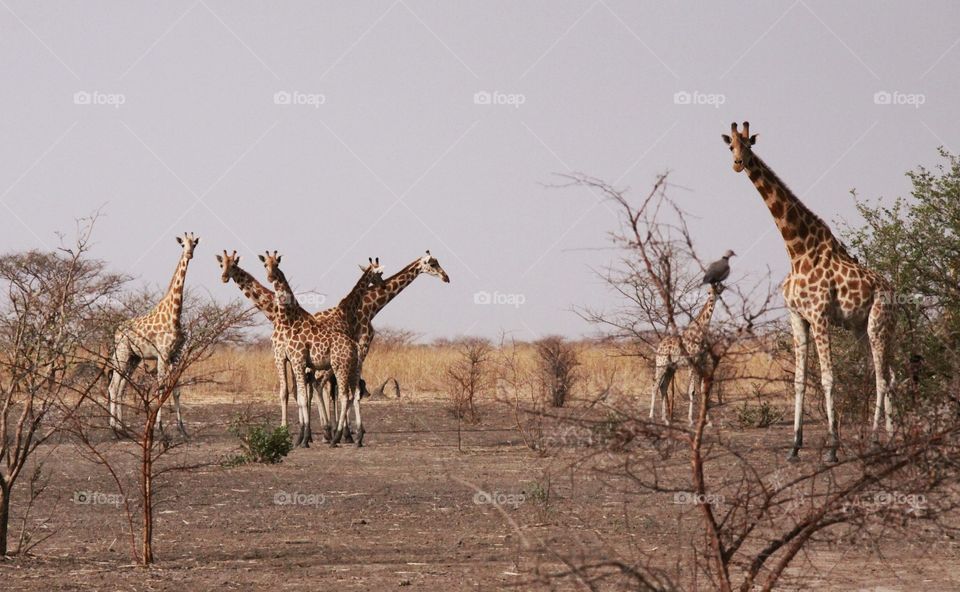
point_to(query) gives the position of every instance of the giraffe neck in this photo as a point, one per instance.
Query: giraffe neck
(257, 293)
(803, 231)
(172, 301)
(393, 285)
(351, 303)
(285, 302)
(696, 330)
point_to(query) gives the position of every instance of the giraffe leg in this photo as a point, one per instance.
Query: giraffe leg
(356, 414)
(300, 377)
(821, 337)
(321, 386)
(176, 404)
(334, 404)
(879, 332)
(311, 385)
(659, 388)
(801, 339)
(692, 392)
(342, 404)
(161, 376)
(124, 363)
(281, 365)
(665, 383)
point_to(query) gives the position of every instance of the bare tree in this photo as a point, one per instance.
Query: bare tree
(206, 324)
(55, 303)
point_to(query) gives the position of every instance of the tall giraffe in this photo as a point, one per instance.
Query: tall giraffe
(263, 299)
(826, 286)
(311, 344)
(156, 335)
(687, 349)
(376, 298)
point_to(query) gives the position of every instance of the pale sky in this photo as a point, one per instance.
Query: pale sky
(177, 127)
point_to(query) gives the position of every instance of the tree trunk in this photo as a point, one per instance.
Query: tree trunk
(146, 491)
(4, 515)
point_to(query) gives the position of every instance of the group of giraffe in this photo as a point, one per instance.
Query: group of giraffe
(323, 348)
(826, 286)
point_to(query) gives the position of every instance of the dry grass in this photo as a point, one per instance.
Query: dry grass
(244, 374)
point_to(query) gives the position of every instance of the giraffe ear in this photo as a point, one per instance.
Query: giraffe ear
(220, 258)
(726, 138)
(180, 241)
(196, 241)
(262, 258)
(753, 139)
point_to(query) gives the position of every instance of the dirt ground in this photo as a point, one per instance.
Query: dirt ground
(401, 513)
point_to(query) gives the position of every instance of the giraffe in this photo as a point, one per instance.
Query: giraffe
(377, 297)
(263, 299)
(156, 335)
(311, 344)
(826, 286)
(686, 349)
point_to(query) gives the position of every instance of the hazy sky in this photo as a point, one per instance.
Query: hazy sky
(386, 149)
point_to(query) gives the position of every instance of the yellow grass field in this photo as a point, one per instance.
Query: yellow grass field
(243, 374)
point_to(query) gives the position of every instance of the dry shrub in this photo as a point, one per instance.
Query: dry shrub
(557, 365)
(468, 376)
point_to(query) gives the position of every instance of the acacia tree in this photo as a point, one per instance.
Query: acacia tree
(916, 242)
(53, 308)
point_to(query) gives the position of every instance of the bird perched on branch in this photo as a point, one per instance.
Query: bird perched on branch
(718, 270)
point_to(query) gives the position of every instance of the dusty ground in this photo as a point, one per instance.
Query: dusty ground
(400, 513)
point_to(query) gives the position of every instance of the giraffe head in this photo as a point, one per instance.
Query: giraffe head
(271, 263)
(429, 264)
(741, 145)
(228, 265)
(189, 243)
(373, 272)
